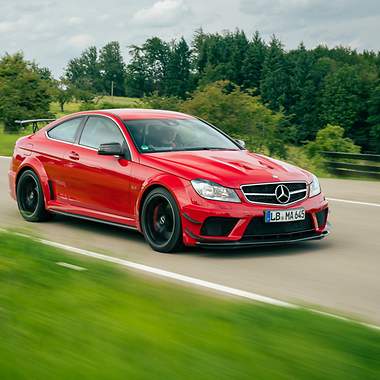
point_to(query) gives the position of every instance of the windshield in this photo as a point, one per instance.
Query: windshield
(163, 135)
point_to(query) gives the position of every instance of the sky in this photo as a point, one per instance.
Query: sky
(51, 32)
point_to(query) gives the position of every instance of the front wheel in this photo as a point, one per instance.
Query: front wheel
(161, 222)
(30, 198)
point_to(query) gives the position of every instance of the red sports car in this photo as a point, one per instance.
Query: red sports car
(173, 177)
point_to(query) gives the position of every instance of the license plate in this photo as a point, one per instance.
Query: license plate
(284, 215)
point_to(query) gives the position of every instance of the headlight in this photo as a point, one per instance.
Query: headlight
(213, 191)
(315, 187)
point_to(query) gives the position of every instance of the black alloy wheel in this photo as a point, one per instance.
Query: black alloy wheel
(30, 199)
(161, 222)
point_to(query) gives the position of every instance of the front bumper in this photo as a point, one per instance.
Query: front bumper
(198, 210)
(260, 243)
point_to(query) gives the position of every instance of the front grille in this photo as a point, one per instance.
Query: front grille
(266, 193)
(218, 226)
(258, 228)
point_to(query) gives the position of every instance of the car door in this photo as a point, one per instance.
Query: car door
(100, 183)
(57, 141)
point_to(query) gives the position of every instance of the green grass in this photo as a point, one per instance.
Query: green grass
(8, 140)
(127, 102)
(68, 108)
(106, 323)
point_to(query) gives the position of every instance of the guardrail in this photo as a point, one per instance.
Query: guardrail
(356, 164)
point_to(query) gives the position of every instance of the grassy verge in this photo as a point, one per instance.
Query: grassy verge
(107, 323)
(8, 140)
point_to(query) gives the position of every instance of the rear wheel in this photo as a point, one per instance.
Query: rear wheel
(30, 198)
(161, 222)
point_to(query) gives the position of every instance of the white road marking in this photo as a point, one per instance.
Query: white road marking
(188, 279)
(354, 202)
(70, 266)
(171, 275)
(5, 157)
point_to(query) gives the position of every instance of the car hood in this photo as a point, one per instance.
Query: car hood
(228, 168)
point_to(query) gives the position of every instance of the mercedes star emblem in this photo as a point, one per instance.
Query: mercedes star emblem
(282, 194)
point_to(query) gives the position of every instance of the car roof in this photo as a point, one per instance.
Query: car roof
(140, 113)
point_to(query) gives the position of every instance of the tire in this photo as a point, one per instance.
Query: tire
(30, 198)
(161, 222)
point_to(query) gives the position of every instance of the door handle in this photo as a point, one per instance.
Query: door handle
(74, 156)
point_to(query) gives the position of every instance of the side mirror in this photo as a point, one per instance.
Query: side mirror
(111, 149)
(241, 143)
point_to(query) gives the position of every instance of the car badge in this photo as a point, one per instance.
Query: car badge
(282, 194)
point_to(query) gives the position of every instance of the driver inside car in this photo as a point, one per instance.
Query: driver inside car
(168, 137)
(162, 136)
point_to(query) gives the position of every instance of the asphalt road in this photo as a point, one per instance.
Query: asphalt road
(340, 274)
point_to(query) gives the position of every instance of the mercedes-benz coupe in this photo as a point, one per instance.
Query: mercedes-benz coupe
(173, 177)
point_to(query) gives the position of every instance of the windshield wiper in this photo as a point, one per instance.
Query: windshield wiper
(207, 148)
(183, 149)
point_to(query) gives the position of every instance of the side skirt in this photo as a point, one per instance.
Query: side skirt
(94, 220)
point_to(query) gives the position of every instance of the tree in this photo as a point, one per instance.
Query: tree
(239, 114)
(343, 100)
(374, 119)
(374, 137)
(220, 56)
(178, 79)
(199, 51)
(112, 69)
(137, 81)
(275, 80)
(237, 45)
(302, 94)
(330, 139)
(156, 54)
(43, 72)
(83, 72)
(24, 93)
(341, 97)
(147, 70)
(170, 103)
(161, 68)
(253, 63)
(209, 57)
(62, 92)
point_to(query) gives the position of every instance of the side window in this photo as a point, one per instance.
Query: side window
(66, 131)
(99, 130)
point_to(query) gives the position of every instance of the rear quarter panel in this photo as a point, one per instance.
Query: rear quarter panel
(24, 158)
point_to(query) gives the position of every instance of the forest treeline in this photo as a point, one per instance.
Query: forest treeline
(309, 88)
(312, 87)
